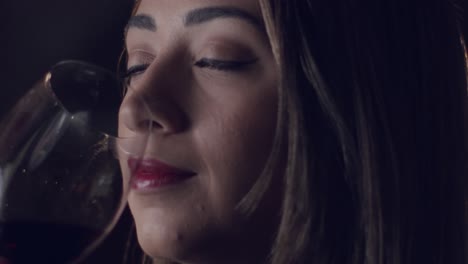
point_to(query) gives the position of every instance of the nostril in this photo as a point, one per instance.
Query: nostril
(155, 125)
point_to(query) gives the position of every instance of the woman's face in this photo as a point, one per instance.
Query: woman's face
(207, 74)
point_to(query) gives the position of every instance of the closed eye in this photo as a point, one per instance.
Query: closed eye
(215, 64)
(134, 71)
(224, 65)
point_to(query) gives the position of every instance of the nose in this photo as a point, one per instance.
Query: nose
(149, 107)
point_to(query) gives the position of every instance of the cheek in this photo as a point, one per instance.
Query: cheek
(236, 142)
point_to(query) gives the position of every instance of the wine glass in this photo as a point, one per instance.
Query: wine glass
(61, 190)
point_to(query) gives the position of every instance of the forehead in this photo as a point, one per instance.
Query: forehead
(177, 9)
(165, 16)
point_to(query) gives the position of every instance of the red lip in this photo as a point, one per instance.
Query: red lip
(151, 174)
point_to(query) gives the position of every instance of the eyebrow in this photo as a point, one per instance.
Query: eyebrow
(206, 14)
(197, 17)
(141, 21)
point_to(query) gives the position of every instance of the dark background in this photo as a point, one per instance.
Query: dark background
(36, 34)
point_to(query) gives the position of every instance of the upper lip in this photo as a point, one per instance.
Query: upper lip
(152, 168)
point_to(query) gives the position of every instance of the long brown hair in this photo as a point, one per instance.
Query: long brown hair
(372, 102)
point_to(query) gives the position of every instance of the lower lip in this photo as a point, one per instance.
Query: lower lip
(151, 174)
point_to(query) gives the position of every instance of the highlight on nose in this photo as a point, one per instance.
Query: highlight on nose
(134, 113)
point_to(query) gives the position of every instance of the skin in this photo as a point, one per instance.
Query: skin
(218, 123)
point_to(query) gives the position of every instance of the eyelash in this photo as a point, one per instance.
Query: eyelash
(223, 65)
(215, 64)
(135, 70)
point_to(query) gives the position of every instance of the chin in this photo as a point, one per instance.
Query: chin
(163, 243)
(172, 237)
(178, 246)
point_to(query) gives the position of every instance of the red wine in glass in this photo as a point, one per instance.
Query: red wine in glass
(61, 190)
